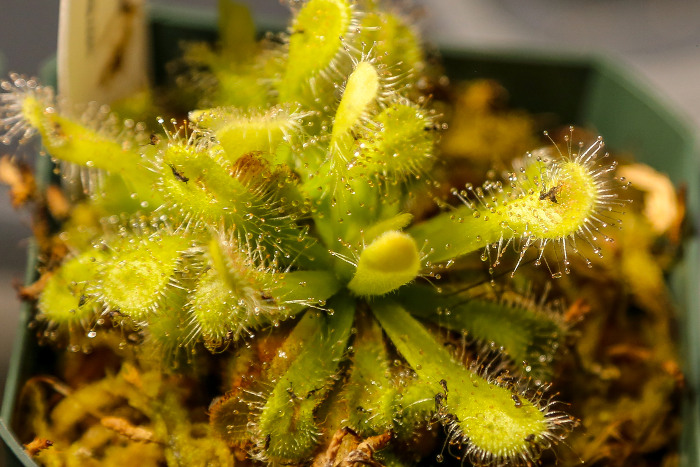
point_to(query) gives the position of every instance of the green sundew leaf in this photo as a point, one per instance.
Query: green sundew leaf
(310, 162)
(319, 178)
(369, 392)
(230, 82)
(240, 70)
(396, 222)
(83, 226)
(528, 334)
(230, 414)
(236, 269)
(386, 264)
(416, 407)
(219, 314)
(241, 132)
(359, 96)
(68, 140)
(354, 207)
(359, 99)
(405, 146)
(139, 107)
(231, 296)
(243, 89)
(241, 196)
(168, 330)
(236, 31)
(284, 155)
(234, 297)
(394, 40)
(543, 204)
(358, 230)
(456, 233)
(116, 196)
(299, 289)
(205, 198)
(293, 346)
(314, 43)
(314, 255)
(286, 427)
(499, 424)
(573, 196)
(65, 300)
(139, 273)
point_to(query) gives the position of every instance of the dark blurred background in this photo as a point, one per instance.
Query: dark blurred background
(659, 41)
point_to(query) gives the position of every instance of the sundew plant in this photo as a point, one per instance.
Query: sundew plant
(280, 230)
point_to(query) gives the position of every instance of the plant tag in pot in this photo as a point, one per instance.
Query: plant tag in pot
(102, 52)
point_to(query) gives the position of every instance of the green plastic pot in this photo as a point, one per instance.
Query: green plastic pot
(587, 91)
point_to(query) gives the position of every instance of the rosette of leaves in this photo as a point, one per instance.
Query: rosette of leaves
(286, 203)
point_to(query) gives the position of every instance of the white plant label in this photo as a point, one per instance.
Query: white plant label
(102, 49)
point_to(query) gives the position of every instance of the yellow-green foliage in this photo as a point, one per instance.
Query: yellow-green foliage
(386, 264)
(65, 300)
(288, 196)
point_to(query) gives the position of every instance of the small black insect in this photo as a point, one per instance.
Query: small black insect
(443, 383)
(551, 194)
(114, 313)
(154, 140)
(516, 399)
(179, 175)
(439, 397)
(58, 129)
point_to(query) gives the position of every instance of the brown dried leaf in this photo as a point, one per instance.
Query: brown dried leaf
(58, 204)
(661, 206)
(672, 368)
(131, 375)
(20, 179)
(127, 429)
(346, 449)
(37, 445)
(630, 352)
(577, 311)
(328, 457)
(32, 291)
